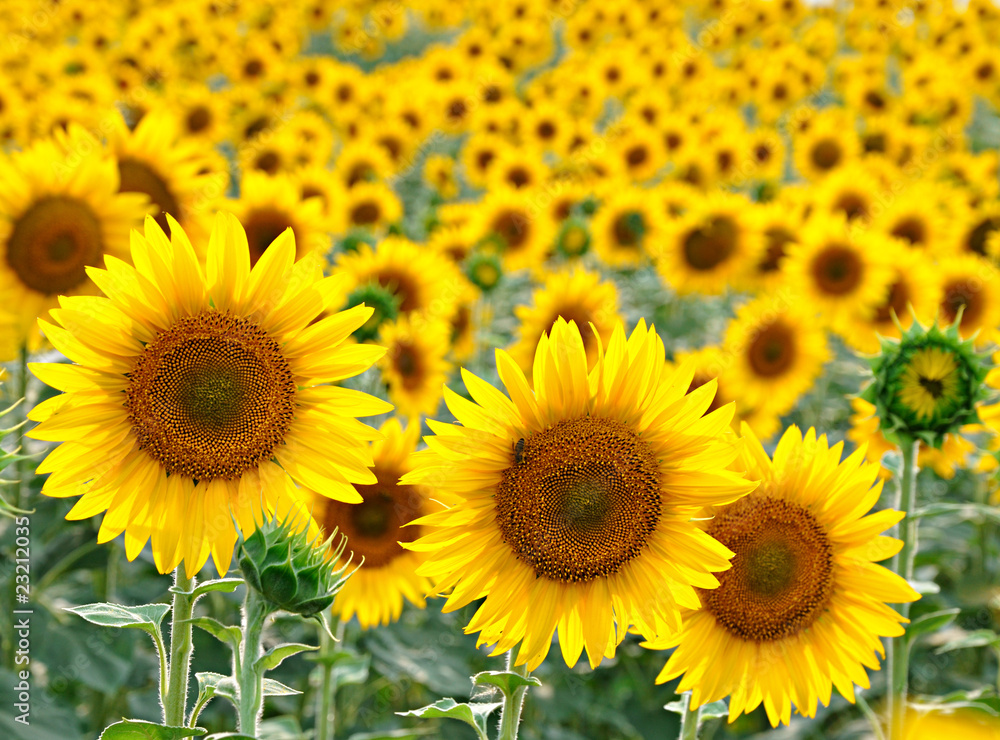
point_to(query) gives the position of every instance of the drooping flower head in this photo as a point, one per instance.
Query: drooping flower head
(571, 503)
(804, 606)
(199, 396)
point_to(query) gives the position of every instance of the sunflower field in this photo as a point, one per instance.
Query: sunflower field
(554, 370)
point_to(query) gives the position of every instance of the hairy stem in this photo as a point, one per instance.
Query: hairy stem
(898, 655)
(251, 678)
(175, 701)
(510, 712)
(326, 709)
(689, 720)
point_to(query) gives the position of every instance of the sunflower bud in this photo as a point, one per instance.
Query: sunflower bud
(291, 571)
(927, 384)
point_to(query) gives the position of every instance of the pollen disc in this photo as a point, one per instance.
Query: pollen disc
(52, 244)
(580, 500)
(782, 574)
(211, 397)
(375, 527)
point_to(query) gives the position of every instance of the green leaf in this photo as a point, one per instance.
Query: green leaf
(138, 729)
(967, 511)
(146, 617)
(226, 585)
(978, 638)
(219, 685)
(349, 668)
(230, 636)
(273, 657)
(677, 707)
(925, 587)
(229, 736)
(472, 714)
(507, 681)
(714, 709)
(930, 623)
(283, 727)
(402, 734)
(276, 688)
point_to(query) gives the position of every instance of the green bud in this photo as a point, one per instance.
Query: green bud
(291, 571)
(927, 384)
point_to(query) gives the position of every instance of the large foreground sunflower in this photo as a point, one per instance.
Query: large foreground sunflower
(573, 501)
(374, 529)
(198, 398)
(804, 606)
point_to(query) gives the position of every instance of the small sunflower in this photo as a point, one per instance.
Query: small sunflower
(268, 205)
(575, 295)
(804, 607)
(415, 366)
(60, 213)
(521, 233)
(837, 272)
(776, 354)
(711, 247)
(627, 228)
(386, 573)
(370, 205)
(572, 502)
(200, 396)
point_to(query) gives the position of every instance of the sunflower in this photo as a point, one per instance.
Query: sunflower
(837, 272)
(774, 353)
(829, 143)
(153, 159)
(712, 246)
(576, 295)
(413, 277)
(913, 290)
(60, 213)
(197, 399)
(522, 168)
(521, 233)
(371, 205)
(573, 502)
(374, 528)
(968, 284)
(415, 366)
(626, 228)
(804, 606)
(779, 224)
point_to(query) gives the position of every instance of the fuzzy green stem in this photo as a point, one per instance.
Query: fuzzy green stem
(251, 678)
(23, 465)
(690, 718)
(898, 655)
(510, 712)
(175, 701)
(326, 709)
(873, 720)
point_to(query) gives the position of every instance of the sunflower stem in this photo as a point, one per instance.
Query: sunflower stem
(510, 712)
(24, 464)
(175, 699)
(326, 710)
(690, 719)
(251, 676)
(898, 656)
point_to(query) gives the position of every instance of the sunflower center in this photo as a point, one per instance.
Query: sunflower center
(375, 527)
(407, 362)
(837, 270)
(198, 119)
(826, 154)
(933, 386)
(962, 294)
(896, 301)
(911, 230)
(365, 213)
(712, 244)
(629, 229)
(776, 238)
(782, 574)
(263, 226)
(138, 177)
(512, 227)
(211, 397)
(581, 499)
(53, 242)
(772, 351)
